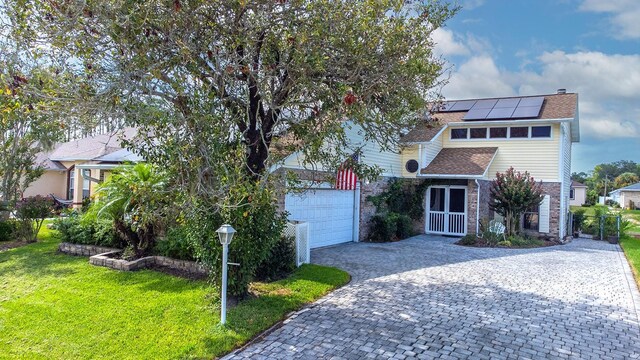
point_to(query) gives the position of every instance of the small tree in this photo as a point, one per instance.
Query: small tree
(32, 211)
(512, 193)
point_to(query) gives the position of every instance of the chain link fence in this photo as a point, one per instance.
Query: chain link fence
(599, 227)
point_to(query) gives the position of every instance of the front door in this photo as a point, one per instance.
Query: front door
(446, 210)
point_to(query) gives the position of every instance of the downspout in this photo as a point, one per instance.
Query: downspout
(477, 207)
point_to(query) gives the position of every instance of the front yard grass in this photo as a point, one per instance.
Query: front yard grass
(631, 247)
(55, 306)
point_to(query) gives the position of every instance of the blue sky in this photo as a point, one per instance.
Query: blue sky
(527, 47)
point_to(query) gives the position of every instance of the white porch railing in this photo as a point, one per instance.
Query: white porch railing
(447, 223)
(436, 221)
(300, 232)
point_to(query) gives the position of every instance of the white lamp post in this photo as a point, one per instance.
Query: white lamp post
(225, 232)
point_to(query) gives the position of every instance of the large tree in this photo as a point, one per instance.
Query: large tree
(215, 82)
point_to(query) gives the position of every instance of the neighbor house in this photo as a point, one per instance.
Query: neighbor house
(577, 194)
(458, 150)
(73, 169)
(628, 197)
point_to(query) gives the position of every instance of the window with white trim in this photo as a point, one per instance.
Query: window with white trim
(532, 218)
(572, 194)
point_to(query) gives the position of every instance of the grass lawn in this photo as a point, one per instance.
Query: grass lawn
(631, 247)
(55, 306)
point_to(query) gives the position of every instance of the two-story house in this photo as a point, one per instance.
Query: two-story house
(459, 149)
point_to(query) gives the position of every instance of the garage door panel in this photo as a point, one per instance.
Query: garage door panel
(328, 212)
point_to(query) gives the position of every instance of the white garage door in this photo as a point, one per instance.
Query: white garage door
(328, 212)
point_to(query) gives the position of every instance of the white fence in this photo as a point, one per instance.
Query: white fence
(300, 232)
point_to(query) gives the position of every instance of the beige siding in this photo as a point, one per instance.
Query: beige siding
(408, 153)
(51, 182)
(540, 157)
(579, 196)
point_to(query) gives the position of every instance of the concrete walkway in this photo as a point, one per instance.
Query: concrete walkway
(427, 298)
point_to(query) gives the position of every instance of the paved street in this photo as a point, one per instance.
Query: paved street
(428, 298)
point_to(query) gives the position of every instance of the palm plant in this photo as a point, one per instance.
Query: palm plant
(135, 198)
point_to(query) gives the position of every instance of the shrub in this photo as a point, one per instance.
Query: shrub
(383, 228)
(74, 230)
(280, 262)
(176, 245)
(505, 243)
(469, 239)
(578, 219)
(524, 241)
(404, 226)
(259, 226)
(7, 230)
(31, 212)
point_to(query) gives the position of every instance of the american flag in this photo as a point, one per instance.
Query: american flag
(346, 179)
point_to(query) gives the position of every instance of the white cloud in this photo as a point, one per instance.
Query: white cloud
(478, 77)
(623, 15)
(608, 85)
(472, 4)
(446, 44)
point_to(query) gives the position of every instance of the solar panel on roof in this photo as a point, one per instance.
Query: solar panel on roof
(507, 103)
(463, 105)
(476, 114)
(532, 101)
(501, 113)
(485, 104)
(446, 106)
(526, 112)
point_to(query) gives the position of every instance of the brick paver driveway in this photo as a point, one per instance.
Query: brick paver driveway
(428, 298)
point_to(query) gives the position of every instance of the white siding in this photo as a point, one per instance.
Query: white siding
(389, 161)
(432, 150)
(566, 177)
(544, 215)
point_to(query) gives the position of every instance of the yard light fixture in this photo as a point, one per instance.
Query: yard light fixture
(225, 233)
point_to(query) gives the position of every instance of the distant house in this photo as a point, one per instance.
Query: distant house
(73, 169)
(628, 197)
(577, 194)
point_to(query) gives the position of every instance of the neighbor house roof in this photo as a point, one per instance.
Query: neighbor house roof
(554, 106)
(576, 184)
(461, 161)
(92, 147)
(42, 160)
(120, 156)
(633, 187)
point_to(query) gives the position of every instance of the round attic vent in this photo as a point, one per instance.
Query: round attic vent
(411, 166)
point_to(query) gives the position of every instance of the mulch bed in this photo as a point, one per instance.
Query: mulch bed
(177, 272)
(483, 244)
(7, 245)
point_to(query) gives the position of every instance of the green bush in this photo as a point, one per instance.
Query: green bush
(175, 245)
(390, 227)
(259, 226)
(74, 230)
(469, 239)
(383, 228)
(404, 226)
(7, 230)
(524, 241)
(505, 243)
(280, 262)
(578, 219)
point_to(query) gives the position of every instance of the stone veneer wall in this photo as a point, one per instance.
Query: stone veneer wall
(368, 210)
(549, 188)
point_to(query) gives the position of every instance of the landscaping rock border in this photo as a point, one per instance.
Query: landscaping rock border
(107, 260)
(104, 256)
(83, 250)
